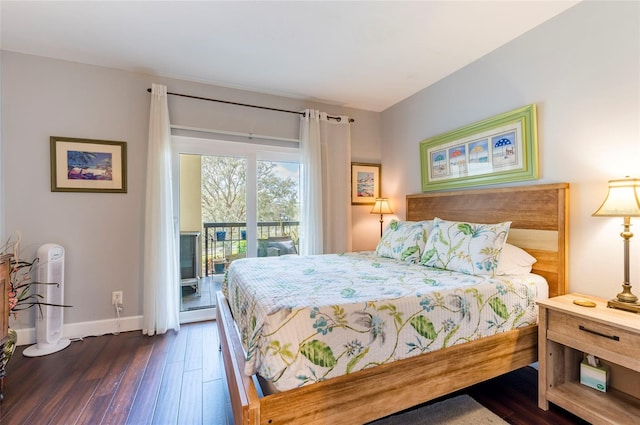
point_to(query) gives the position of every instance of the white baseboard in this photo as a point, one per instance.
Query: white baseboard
(75, 331)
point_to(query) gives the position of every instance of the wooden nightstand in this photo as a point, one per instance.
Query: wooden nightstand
(566, 331)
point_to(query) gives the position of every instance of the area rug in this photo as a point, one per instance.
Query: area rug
(459, 410)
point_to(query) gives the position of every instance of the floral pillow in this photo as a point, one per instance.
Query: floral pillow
(469, 248)
(404, 240)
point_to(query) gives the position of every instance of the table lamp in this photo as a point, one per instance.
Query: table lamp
(623, 201)
(381, 207)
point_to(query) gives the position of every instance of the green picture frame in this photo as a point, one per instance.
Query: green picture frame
(500, 149)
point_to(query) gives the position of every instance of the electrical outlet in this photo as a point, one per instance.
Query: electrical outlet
(116, 298)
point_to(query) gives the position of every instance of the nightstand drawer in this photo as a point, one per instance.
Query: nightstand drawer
(596, 338)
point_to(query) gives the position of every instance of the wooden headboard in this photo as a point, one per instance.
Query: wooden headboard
(539, 216)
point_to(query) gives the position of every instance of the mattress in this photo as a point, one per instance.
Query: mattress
(304, 319)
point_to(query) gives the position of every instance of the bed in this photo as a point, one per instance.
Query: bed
(538, 216)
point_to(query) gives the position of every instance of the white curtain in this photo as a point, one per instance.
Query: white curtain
(326, 184)
(161, 271)
(311, 185)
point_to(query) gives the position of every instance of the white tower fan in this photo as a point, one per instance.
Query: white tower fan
(49, 323)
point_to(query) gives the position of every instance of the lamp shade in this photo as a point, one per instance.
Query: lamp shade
(381, 207)
(622, 199)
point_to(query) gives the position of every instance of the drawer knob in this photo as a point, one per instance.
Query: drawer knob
(591, 331)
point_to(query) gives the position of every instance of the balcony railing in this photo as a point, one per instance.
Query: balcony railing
(225, 242)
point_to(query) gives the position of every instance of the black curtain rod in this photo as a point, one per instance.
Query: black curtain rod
(250, 106)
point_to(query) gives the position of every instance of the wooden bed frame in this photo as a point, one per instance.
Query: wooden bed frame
(539, 216)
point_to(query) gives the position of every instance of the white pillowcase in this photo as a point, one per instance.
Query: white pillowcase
(514, 260)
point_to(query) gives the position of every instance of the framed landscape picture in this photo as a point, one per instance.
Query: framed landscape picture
(500, 149)
(86, 165)
(365, 183)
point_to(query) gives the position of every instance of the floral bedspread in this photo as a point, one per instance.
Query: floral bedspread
(304, 319)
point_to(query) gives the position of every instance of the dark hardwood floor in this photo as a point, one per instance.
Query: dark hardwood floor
(177, 378)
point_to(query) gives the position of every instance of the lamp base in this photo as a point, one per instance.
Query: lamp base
(620, 305)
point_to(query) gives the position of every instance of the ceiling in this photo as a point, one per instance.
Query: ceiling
(361, 54)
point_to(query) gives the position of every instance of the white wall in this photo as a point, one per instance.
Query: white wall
(103, 233)
(582, 69)
(2, 176)
(190, 193)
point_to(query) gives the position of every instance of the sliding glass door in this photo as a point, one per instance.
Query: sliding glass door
(233, 200)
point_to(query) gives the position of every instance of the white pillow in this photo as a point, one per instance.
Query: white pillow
(514, 260)
(470, 248)
(404, 240)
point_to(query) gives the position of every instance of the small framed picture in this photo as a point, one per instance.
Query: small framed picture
(365, 183)
(86, 165)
